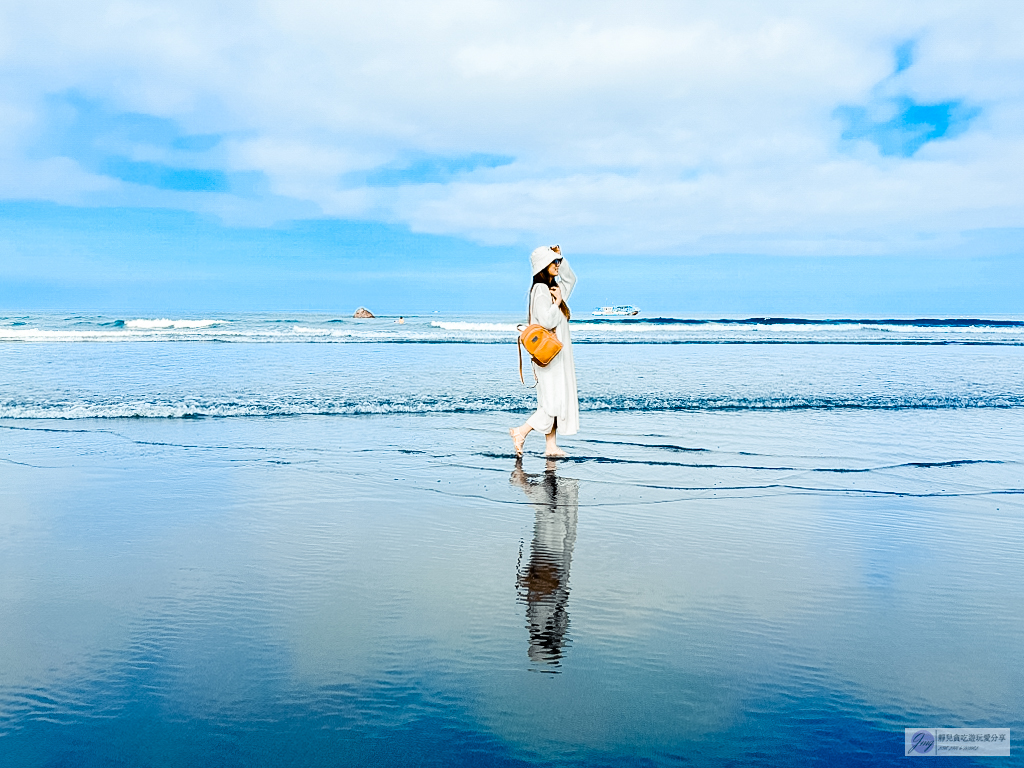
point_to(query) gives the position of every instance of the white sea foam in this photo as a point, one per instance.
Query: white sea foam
(474, 326)
(950, 329)
(195, 409)
(484, 330)
(616, 328)
(165, 323)
(519, 402)
(42, 334)
(303, 331)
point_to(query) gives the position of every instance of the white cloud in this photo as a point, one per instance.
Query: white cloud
(642, 127)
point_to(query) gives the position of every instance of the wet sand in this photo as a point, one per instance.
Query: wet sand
(764, 588)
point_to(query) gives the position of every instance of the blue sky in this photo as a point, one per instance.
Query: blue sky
(739, 157)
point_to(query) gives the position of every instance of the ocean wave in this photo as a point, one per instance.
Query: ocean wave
(49, 335)
(269, 329)
(953, 322)
(299, 335)
(303, 330)
(196, 408)
(460, 326)
(193, 409)
(165, 323)
(799, 403)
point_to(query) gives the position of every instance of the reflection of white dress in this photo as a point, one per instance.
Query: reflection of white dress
(545, 579)
(556, 381)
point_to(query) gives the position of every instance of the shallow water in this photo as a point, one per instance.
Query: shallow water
(821, 549)
(175, 379)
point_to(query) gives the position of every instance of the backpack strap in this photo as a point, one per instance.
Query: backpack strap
(519, 346)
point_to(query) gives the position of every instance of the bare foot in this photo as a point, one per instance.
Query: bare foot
(555, 453)
(517, 440)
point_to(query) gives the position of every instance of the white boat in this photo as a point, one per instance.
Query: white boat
(623, 310)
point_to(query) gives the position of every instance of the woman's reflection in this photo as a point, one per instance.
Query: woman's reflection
(544, 582)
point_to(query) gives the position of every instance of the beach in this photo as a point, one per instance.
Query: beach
(770, 545)
(264, 498)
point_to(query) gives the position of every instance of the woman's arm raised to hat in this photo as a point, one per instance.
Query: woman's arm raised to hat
(566, 279)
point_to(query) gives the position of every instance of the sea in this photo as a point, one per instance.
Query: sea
(276, 539)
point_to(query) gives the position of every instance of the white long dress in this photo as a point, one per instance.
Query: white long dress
(556, 381)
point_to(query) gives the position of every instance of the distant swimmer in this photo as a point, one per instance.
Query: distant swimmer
(400, 320)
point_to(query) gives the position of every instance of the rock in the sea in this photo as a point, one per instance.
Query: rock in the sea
(363, 312)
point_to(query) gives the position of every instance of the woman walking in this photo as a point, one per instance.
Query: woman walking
(558, 407)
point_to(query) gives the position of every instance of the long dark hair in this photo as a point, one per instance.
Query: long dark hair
(546, 278)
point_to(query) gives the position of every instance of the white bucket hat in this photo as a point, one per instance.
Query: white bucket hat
(541, 257)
